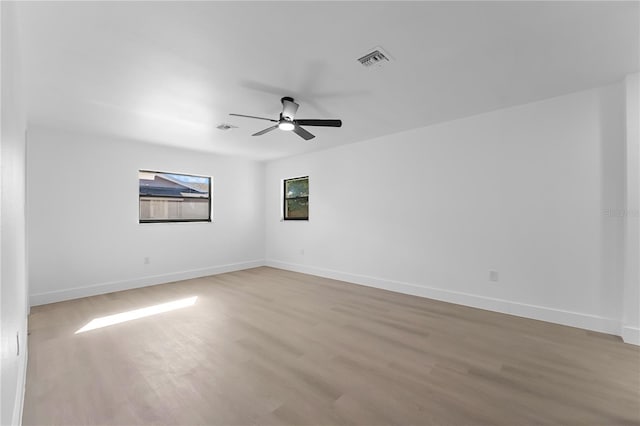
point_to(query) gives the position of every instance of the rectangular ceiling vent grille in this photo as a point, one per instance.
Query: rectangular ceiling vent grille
(225, 126)
(377, 57)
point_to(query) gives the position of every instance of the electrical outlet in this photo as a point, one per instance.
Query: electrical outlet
(493, 276)
(147, 261)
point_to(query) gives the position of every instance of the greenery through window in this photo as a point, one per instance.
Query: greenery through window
(172, 197)
(296, 198)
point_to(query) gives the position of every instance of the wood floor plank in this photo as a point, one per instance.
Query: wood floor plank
(271, 347)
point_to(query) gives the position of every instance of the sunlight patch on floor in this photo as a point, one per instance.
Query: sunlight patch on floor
(137, 313)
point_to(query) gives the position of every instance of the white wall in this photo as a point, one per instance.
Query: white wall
(430, 211)
(631, 214)
(84, 235)
(13, 288)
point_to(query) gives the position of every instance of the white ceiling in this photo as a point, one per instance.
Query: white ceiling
(170, 72)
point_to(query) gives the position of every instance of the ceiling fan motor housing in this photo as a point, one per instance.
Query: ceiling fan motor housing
(289, 108)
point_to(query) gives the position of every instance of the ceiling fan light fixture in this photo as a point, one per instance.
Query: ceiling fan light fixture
(286, 125)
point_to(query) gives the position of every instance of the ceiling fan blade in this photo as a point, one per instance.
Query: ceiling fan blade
(326, 123)
(253, 116)
(267, 130)
(303, 133)
(261, 87)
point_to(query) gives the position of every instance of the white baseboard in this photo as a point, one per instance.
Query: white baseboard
(574, 319)
(631, 335)
(110, 287)
(557, 316)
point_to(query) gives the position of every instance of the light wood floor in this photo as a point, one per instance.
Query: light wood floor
(265, 346)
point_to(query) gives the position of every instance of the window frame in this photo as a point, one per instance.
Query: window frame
(209, 218)
(285, 198)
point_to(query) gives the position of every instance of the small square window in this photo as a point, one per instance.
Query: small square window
(296, 198)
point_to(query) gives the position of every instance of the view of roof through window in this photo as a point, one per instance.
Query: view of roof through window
(171, 197)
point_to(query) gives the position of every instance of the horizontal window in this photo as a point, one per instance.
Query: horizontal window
(173, 197)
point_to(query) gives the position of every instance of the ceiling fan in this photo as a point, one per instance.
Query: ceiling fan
(288, 121)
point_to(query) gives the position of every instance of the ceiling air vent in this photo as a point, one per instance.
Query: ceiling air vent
(375, 58)
(225, 126)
